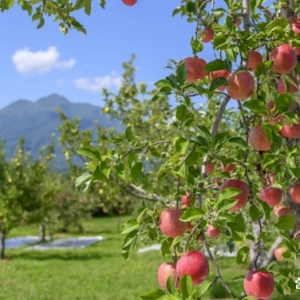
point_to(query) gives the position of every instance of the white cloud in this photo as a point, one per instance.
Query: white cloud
(98, 83)
(39, 62)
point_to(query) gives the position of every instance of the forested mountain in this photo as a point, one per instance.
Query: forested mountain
(36, 121)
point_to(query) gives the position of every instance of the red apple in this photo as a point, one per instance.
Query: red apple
(189, 226)
(209, 167)
(169, 224)
(165, 270)
(254, 58)
(295, 23)
(228, 168)
(291, 132)
(295, 192)
(281, 211)
(212, 231)
(238, 22)
(271, 178)
(258, 140)
(240, 85)
(195, 68)
(259, 284)
(271, 195)
(218, 74)
(207, 34)
(195, 264)
(284, 59)
(242, 197)
(129, 2)
(293, 88)
(278, 253)
(187, 200)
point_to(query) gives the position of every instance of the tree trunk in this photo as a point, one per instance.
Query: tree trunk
(2, 245)
(42, 232)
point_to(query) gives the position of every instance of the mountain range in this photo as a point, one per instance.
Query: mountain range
(36, 121)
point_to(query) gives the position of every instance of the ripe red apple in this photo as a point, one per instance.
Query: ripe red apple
(165, 270)
(169, 222)
(207, 34)
(209, 167)
(129, 2)
(271, 195)
(281, 211)
(212, 231)
(240, 85)
(295, 23)
(259, 284)
(278, 253)
(187, 200)
(293, 88)
(242, 197)
(284, 59)
(258, 140)
(297, 50)
(254, 58)
(195, 68)
(195, 264)
(291, 132)
(228, 168)
(218, 74)
(189, 226)
(295, 192)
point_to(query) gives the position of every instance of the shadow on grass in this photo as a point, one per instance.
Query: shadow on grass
(65, 255)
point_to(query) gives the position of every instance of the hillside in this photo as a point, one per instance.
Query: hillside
(38, 120)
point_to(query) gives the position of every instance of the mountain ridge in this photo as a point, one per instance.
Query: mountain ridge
(37, 120)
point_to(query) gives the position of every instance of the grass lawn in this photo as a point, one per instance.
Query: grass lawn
(96, 272)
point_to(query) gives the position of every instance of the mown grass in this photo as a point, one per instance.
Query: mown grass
(96, 272)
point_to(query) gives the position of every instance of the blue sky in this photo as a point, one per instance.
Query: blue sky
(37, 62)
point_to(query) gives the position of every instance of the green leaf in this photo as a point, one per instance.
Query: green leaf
(220, 81)
(215, 65)
(226, 205)
(286, 222)
(129, 226)
(128, 133)
(242, 255)
(181, 112)
(239, 141)
(129, 243)
(102, 3)
(204, 130)
(283, 102)
(219, 139)
(82, 178)
(254, 213)
(153, 295)
(204, 287)
(279, 24)
(186, 286)
(228, 193)
(136, 173)
(90, 152)
(88, 7)
(181, 73)
(192, 158)
(257, 106)
(192, 213)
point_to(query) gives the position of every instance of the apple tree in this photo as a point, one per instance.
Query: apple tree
(238, 175)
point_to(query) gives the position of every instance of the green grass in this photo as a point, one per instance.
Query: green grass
(96, 272)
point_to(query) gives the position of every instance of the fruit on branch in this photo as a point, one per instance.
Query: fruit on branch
(259, 284)
(207, 34)
(187, 200)
(295, 192)
(169, 222)
(129, 2)
(281, 211)
(291, 132)
(292, 88)
(195, 68)
(242, 197)
(278, 253)
(295, 23)
(189, 226)
(271, 178)
(240, 85)
(228, 168)
(209, 167)
(165, 270)
(195, 264)
(258, 139)
(218, 74)
(212, 231)
(254, 58)
(284, 59)
(271, 195)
